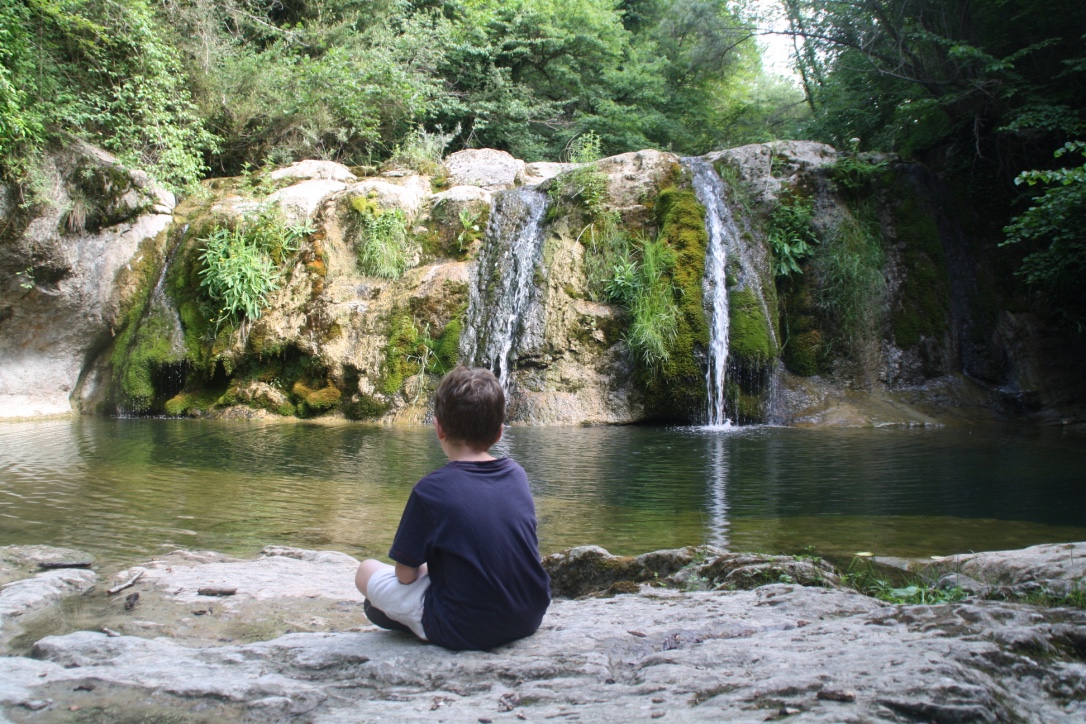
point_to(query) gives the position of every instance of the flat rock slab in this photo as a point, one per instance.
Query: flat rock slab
(1058, 567)
(280, 573)
(824, 655)
(26, 588)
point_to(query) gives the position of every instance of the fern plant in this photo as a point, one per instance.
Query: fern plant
(241, 266)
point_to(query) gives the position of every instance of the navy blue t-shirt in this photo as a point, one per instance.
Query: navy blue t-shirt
(473, 524)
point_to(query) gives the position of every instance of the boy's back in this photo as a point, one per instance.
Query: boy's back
(473, 524)
(467, 573)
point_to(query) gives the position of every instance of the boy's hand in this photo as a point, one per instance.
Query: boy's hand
(407, 574)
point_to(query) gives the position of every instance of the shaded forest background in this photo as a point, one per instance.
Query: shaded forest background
(990, 95)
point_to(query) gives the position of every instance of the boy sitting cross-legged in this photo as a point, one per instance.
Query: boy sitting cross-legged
(467, 574)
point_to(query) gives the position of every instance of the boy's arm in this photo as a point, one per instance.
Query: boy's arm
(407, 574)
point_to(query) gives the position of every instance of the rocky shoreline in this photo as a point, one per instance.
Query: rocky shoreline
(686, 635)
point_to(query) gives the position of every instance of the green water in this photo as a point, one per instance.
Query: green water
(127, 489)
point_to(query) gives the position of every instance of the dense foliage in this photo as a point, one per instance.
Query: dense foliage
(102, 70)
(184, 88)
(983, 92)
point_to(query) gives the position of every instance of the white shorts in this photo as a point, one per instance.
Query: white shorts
(401, 602)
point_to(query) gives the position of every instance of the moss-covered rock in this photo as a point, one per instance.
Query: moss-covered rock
(802, 353)
(923, 304)
(316, 400)
(677, 389)
(144, 345)
(750, 344)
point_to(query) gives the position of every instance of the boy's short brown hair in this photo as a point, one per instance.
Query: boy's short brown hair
(470, 405)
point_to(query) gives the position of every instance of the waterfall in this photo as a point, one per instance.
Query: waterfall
(163, 307)
(503, 289)
(719, 223)
(726, 247)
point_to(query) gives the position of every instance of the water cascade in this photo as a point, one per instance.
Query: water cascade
(726, 254)
(503, 291)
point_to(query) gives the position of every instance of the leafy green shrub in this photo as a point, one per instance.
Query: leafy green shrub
(472, 227)
(585, 185)
(240, 267)
(791, 236)
(607, 247)
(423, 150)
(383, 247)
(650, 298)
(100, 71)
(854, 175)
(1056, 222)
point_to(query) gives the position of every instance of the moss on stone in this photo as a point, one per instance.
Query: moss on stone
(749, 342)
(403, 344)
(142, 347)
(677, 389)
(803, 349)
(320, 399)
(364, 407)
(191, 403)
(923, 304)
(448, 345)
(802, 353)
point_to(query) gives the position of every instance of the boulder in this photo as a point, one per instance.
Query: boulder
(301, 201)
(21, 597)
(314, 169)
(702, 656)
(1056, 568)
(766, 167)
(636, 177)
(407, 196)
(485, 167)
(539, 171)
(777, 650)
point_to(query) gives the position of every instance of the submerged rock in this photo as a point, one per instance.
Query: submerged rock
(819, 653)
(35, 577)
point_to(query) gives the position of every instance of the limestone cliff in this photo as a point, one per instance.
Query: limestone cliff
(368, 287)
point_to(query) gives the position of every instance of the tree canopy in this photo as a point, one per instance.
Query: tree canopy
(988, 93)
(187, 88)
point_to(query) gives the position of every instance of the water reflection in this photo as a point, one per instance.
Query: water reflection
(718, 489)
(125, 489)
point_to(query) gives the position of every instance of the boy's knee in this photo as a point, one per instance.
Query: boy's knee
(365, 571)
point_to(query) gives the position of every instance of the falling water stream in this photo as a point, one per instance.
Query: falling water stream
(503, 289)
(726, 249)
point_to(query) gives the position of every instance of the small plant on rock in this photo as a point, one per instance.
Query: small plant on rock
(383, 247)
(585, 185)
(240, 266)
(791, 236)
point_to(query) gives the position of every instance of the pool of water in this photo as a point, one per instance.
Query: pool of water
(127, 489)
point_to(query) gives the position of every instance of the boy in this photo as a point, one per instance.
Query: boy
(467, 574)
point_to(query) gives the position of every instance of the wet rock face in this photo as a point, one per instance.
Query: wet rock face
(64, 262)
(821, 653)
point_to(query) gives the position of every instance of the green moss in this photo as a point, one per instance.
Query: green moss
(923, 305)
(747, 407)
(403, 344)
(142, 346)
(364, 407)
(749, 342)
(448, 345)
(803, 352)
(178, 405)
(320, 399)
(191, 403)
(677, 389)
(803, 349)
